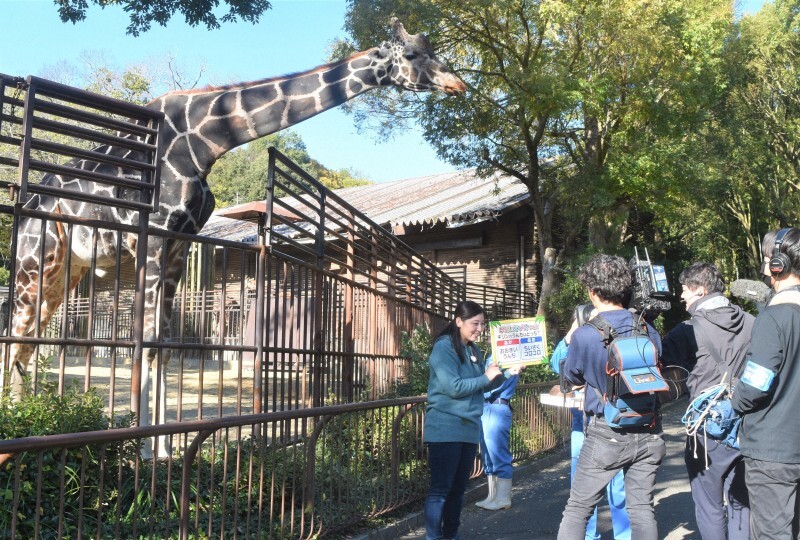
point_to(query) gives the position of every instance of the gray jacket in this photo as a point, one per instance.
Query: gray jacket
(717, 323)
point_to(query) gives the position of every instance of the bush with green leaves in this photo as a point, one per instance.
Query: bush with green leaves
(417, 349)
(47, 412)
(571, 292)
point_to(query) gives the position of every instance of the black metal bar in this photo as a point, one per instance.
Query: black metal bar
(92, 100)
(70, 130)
(86, 174)
(86, 197)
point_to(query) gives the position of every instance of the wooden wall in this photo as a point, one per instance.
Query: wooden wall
(487, 253)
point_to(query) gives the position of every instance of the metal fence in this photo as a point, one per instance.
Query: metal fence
(309, 310)
(292, 474)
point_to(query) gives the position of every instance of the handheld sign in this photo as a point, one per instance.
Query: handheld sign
(518, 342)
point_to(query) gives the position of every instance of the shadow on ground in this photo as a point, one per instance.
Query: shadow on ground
(541, 490)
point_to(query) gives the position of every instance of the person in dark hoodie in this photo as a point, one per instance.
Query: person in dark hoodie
(711, 345)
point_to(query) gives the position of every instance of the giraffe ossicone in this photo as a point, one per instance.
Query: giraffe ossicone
(200, 126)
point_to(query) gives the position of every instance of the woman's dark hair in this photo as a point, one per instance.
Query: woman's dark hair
(466, 309)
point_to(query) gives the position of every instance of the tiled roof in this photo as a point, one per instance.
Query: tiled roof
(456, 199)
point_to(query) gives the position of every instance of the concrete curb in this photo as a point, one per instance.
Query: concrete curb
(476, 490)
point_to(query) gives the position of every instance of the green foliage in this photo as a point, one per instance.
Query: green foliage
(536, 373)
(571, 292)
(417, 349)
(143, 14)
(132, 84)
(355, 456)
(48, 413)
(241, 175)
(572, 98)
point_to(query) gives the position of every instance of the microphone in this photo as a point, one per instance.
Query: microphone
(747, 289)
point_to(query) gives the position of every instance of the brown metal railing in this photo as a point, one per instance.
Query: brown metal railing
(291, 474)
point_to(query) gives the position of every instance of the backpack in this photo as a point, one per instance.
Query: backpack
(632, 377)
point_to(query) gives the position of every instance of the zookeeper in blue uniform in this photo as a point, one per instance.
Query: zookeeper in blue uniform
(495, 451)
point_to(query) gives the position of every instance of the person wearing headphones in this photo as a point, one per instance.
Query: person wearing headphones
(768, 393)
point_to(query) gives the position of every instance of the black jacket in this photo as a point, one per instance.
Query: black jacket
(768, 393)
(715, 323)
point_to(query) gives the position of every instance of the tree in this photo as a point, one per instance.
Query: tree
(143, 13)
(733, 175)
(241, 175)
(552, 86)
(767, 96)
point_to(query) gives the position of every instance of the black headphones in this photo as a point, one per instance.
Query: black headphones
(779, 264)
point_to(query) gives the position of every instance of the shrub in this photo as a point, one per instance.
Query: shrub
(48, 413)
(416, 348)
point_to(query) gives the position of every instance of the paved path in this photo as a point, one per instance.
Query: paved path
(541, 490)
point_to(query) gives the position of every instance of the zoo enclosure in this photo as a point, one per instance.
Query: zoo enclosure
(307, 310)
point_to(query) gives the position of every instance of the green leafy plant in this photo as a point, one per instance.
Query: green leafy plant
(416, 347)
(45, 480)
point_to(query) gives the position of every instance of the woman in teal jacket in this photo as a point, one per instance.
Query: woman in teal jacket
(458, 378)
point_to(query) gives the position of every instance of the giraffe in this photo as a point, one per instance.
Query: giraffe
(200, 126)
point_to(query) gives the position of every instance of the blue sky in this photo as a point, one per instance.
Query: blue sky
(294, 35)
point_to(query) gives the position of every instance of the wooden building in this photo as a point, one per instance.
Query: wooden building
(477, 230)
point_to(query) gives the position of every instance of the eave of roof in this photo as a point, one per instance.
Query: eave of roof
(456, 199)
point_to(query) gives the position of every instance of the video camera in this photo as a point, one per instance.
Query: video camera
(651, 293)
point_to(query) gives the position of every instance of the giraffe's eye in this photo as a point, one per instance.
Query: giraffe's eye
(410, 55)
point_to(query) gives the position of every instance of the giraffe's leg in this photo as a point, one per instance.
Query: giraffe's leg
(29, 297)
(163, 275)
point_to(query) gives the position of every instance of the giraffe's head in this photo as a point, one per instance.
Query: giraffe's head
(414, 66)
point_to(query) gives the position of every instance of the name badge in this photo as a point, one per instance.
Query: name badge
(757, 376)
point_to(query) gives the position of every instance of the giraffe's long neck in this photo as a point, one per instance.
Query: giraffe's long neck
(205, 124)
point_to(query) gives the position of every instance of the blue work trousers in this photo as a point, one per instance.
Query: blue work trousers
(615, 490)
(605, 452)
(495, 433)
(715, 476)
(450, 464)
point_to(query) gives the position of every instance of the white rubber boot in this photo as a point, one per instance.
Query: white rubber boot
(492, 484)
(502, 498)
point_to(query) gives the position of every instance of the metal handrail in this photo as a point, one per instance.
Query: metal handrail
(308, 473)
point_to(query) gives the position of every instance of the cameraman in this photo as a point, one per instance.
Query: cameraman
(768, 393)
(606, 450)
(710, 345)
